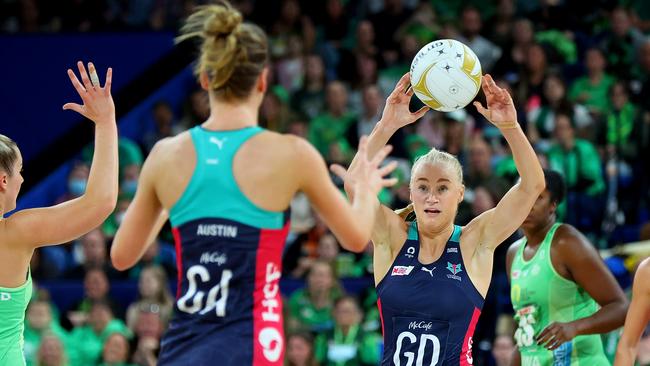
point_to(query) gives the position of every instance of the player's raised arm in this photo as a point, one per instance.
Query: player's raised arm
(68, 220)
(499, 223)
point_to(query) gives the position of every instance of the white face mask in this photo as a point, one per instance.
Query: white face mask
(341, 352)
(119, 217)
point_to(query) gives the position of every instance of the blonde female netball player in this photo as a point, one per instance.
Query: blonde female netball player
(637, 318)
(227, 185)
(27, 230)
(431, 275)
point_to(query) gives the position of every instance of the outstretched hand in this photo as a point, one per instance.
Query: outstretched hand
(98, 103)
(500, 110)
(367, 173)
(396, 111)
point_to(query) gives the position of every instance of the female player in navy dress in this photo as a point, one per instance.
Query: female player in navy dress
(431, 275)
(227, 185)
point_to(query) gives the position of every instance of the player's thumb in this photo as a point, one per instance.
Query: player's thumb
(481, 110)
(338, 170)
(74, 107)
(421, 112)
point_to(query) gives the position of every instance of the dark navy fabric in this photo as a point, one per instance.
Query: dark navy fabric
(428, 311)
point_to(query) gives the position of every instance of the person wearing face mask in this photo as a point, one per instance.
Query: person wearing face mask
(431, 275)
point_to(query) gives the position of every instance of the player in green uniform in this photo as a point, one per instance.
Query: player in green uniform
(27, 230)
(562, 293)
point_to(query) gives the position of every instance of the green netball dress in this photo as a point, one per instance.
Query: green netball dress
(540, 296)
(13, 303)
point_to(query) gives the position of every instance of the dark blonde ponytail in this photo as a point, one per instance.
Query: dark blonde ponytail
(233, 54)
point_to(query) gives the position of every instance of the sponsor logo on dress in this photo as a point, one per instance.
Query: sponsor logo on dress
(5, 296)
(515, 274)
(213, 257)
(452, 250)
(218, 142)
(421, 325)
(410, 252)
(429, 271)
(401, 270)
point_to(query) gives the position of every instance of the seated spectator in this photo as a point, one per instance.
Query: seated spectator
(541, 119)
(503, 349)
(51, 352)
(347, 344)
(165, 124)
(148, 328)
(116, 351)
(77, 180)
(153, 290)
(300, 350)
(332, 126)
(39, 323)
(94, 254)
(96, 287)
(87, 341)
(592, 89)
(310, 308)
(486, 51)
(309, 99)
(580, 165)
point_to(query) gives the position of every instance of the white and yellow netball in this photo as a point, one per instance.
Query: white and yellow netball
(446, 75)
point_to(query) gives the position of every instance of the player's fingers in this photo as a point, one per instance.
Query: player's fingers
(109, 81)
(77, 85)
(421, 112)
(94, 78)
(84, 76)
(388, 168)
(381, 155)
(338, 170)
(389, 182)
(74, 107)
(484, 112)
(546, 332)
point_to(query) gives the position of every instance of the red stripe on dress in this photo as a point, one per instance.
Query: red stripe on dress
(466, 357)
(268, 330)
(179, 260)
(381, 316)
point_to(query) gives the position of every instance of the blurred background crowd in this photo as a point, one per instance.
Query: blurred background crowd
(579, 75)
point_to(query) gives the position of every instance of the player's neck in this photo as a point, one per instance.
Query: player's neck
(231, 116)
(536, 235)
(430, 241)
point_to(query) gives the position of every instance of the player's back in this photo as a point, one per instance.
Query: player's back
(228, 308)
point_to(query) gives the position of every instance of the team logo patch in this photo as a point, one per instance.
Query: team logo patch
(401, 270)
(454, 268)
(516, 274)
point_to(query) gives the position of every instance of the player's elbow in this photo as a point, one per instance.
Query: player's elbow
(120, 260)
(356, 244)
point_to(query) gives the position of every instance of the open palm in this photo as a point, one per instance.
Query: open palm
(500, 108)
(396, 111)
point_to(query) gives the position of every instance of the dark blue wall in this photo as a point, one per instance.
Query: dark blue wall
(34, 84)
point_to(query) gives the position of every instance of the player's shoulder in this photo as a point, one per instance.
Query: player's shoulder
(170, 147)
(643, 270)
(567, 235)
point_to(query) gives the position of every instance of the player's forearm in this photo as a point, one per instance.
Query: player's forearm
(625, 354)
(364, 208)
(528, 166)
(102, 186)
(606, 319)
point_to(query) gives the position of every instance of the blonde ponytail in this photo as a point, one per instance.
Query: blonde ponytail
(233, 54)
